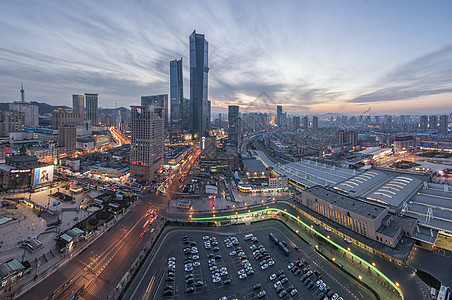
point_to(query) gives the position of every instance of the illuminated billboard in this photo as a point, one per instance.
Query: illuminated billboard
(43, 175)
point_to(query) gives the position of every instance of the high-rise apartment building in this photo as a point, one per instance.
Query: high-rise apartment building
(234, 125)
(443, 124)
(423, 123)
(315, 123)
(296, 122)
(66, 121)
(199, 70)
(433, 122)
(176, 98)
(147, 141)
(30, 111)
(78, 105)
(158, 100)
(92, 105)
(305, 123)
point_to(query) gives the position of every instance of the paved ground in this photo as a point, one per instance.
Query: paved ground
(151, 278)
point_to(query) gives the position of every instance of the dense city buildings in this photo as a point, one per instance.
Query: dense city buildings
(92, 106)
(147, 141)
(176, 99)
(199, 69)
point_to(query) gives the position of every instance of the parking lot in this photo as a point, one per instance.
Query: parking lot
(242, 262)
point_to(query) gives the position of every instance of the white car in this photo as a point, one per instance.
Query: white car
(196, 264)
(347, 241)
(272, 277)
(290, 266)
(216, 279)
(264, 266)
(205, 237)
(195, 257)
(293, 292)
(172, 258)
(233, 253)
(270, 262)
(327, 229)
(242, 276)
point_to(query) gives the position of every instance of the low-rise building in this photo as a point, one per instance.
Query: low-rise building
(368, 219)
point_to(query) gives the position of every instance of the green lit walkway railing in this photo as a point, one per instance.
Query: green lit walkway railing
(269, 210)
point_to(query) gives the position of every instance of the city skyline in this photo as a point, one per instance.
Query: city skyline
(323, 58)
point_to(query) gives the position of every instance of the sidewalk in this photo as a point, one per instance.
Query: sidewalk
(50, 261)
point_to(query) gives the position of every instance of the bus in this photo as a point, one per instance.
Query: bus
(283, 248)
(273, 238)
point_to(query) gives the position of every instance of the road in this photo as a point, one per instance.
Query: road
(101, 266)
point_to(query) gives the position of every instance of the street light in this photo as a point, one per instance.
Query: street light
(360, 277)
(397, 284)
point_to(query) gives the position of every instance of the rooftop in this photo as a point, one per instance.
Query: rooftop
(367, 210)
(254, 166)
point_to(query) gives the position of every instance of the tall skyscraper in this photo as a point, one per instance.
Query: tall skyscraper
(315, 123)
(78, 105)
(199, 70)
(305, 123)
(147, 141)
(176, 98)
(92, 105)
(234, 125)
(158, 100)
(278, 115)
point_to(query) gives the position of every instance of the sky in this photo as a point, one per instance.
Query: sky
(312, 57)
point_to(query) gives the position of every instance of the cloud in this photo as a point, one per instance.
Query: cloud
(427, 75)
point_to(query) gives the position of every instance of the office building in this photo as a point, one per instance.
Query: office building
(30, 111)
(92, 105)
(305, 123)
(315, 123)
(278, 115)
(176, 98)
(234, 126)
(147, 141)
(199, 70)
(78, 105)
(64, 116)
(158, 100)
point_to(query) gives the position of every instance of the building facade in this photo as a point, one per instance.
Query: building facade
(158, 100)
(30, 111)
(199, 69)
(147, 141)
